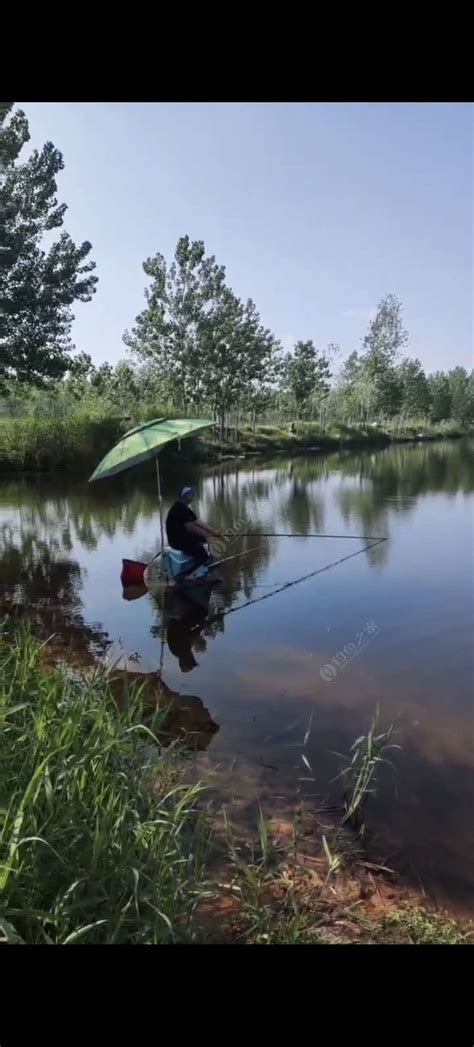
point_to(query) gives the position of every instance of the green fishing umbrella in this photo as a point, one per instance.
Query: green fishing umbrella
(143, 442)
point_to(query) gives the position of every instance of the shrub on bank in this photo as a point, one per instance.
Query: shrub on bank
(46, 443)
(80, 438)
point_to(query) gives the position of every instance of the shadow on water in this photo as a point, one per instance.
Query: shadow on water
(259, 672)
(187, 719)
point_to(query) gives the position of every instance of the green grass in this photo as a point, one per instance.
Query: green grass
(103, 840)
(424, 428)
(79, 436)
(277, 439)
(100, 839)
(77, 440)
(268, 911)
(278, 902)
(272, 439)
(421, 927)
(368, 754)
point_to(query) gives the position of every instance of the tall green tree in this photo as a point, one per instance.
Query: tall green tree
(210, 347)
(440, 396)
(461, 387)
(79, 377)
(306, 377)
(168, 331)
(237, 353)
(154, 386)
(101, 379)
(349, 370)
(353, 394)
(415, 393)
(124, 384)
(380, 348)
(38, 285)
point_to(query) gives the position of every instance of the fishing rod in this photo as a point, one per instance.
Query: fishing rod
(217, 563)
(276, 534)
(280, 588)
(287, 585)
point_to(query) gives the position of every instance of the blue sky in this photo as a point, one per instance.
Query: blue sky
(317, 210)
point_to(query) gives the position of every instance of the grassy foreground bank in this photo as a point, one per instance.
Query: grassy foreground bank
(103, 839)
(78, 441)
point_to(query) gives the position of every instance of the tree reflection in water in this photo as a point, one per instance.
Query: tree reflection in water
(42, 586)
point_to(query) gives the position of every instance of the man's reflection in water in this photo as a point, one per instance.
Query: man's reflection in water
(184, 616)
(188, 618)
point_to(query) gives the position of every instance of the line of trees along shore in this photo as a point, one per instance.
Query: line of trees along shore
(196, 347)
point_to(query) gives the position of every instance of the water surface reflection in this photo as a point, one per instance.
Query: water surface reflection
(258, 671)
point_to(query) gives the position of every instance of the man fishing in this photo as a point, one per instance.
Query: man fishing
(183, 529)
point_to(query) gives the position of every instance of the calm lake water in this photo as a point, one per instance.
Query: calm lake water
(260, 678)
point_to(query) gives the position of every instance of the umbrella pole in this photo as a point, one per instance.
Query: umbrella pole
(159, 500)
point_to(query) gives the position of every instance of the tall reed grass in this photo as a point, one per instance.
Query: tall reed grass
(101, 841)
(47, 442)
(79, 434)
(368, 754)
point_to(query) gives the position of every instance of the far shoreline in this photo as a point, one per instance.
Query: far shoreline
(264, 445)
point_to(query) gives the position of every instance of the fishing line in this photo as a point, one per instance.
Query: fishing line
(296, 581)
(304, 577)
(280, 589)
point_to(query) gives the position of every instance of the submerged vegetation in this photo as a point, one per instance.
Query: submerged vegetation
(104, 838)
